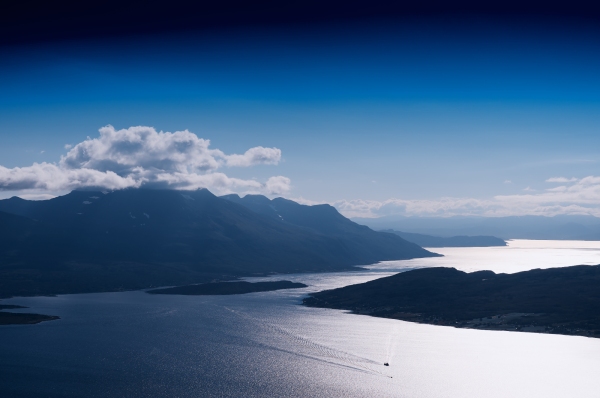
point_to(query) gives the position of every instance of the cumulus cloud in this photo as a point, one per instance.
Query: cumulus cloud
(582, 197)
(141, 156)
(49, 176)
(256, 155)
(561, 179)
(278, 185)
(123, 151)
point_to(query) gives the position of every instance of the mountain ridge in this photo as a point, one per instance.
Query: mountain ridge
(325, 219)
(135, 238)
(452, 241)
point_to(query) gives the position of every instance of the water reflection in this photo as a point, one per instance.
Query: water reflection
(265, 344)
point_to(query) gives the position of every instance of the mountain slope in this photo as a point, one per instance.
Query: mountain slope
(14, 230)
(453, 241)
(325, 219)
(94, 241)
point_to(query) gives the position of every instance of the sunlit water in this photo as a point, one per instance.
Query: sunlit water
(265, 344)
(520, 255)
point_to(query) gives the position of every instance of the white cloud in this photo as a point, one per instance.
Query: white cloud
(278, 185)
(141, 156)
(37, 196)
(124, 150)
(308, 202)
(561, 179)
(49, 176)
(582, 197)
(253, 156)
(507, 181)
(560, 188)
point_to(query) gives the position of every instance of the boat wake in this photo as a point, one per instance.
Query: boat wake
(314, 350)
(392, 343)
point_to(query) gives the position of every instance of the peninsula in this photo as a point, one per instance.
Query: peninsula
(452, 241)
(225, 288)
(556, 300)
(19, 318)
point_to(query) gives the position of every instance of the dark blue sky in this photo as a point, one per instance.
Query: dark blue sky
(418, 109)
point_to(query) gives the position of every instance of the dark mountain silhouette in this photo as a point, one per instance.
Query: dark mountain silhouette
(325, 219)
(555, 300)
(15, 229)
(130, 239)
(453, 241)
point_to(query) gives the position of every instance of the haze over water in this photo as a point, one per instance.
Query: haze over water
(266, 344)
(519, 255)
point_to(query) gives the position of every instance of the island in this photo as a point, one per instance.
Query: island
(556, 300)
(14, 318)
(10, 307)
(452, 241)
(225, 288)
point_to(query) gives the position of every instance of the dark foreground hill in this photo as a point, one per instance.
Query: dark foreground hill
(453, 241)
(556, 300)
(131, 239)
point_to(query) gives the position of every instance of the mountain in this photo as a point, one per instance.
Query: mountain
(326, 220)
(453, 241)
(524, 227)
(130, 239)
(555, 300)
(15, 228)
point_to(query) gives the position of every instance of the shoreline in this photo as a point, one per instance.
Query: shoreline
(24, 318)
(474, 325)
(555, 300)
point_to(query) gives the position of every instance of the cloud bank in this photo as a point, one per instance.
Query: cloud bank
(142, 157)
(578, 196)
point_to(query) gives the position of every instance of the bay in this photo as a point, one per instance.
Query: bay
(133, 344)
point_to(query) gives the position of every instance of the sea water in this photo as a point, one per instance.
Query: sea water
(133, 344)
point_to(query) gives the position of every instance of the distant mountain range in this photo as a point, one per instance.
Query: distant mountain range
(130, 239)
(453, 241)
(525, 227)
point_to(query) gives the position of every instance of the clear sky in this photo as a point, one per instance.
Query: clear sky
(420, 117)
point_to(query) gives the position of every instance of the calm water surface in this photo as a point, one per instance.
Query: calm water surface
(264, 344)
